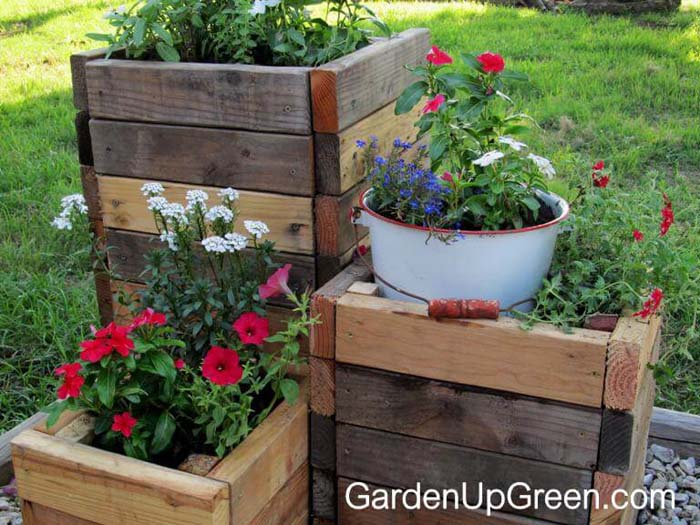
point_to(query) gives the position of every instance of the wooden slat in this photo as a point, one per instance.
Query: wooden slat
(268, 458)
(5, 449)
(469, 417)
(77, 66)
(322, 378)
(91, 192)
(348, 89)
(422, 516)
(328, 266)
(289, 218)
(322, 438)
(290, 504)
(212, 157)
(323, 494)
(82, 131)
(335, 233)
(340, 163)
(105, 305)
(400, 461)
(323, 303)
(543, 362)
(256, 98)
(111, 489)
(676, 426)
(35, 514)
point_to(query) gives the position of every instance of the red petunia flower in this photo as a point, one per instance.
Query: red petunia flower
(491, 62)
(438, 57)
(447, 177)
(124, 423)
(651, 305)
(600, 165)
(68, 370)
(94, 350)
(252, 329)
(221, 366)
(434, 103)
(667, 217)
(112, 338)
(638, 236)
(600, 181)
(71, 386)
(147, 317)
(179, 364)
(277, 284)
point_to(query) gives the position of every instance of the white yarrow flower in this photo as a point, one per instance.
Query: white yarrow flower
(256, 228)
(510, 141)
(258, 8)
(236, 241)
(152, 189)
(228, 195)
(175, 212)
(171, 239)
(489, 158)
(75, 202)
(157, 203)
(219, 212)
(196, 198)
(544, 165)
(215, 244)
(62, 223)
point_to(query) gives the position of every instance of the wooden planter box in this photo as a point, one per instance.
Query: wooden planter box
(398, 398)
(283, 136)
(264, 481)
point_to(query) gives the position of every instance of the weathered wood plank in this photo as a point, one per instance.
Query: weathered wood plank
(323, 494)
(124, 207)
(352, 87)
(335, 233)
(400, 461)
(5, 449)
(469, 417)
(35, 514)
(340, 163)
(77, 67)
(322, 437)
(328, 266)
(256, 98)
(290, 504)
(91, 192)
(616, 442)
(82, 131)
(105, 304)
(422, 516)
(543, 362)
(93, 484)
(258, 468)
(676, 426)
(211, 157)
(322, 377)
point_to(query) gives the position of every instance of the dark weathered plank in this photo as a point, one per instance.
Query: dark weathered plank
(469, 417)
(323, 494)
(402, 516)
(616, 442)
(256, 98)
(5, 450)
(354, 86)
(214, 157)
(82, 131)
(77, 67)
(400, 461)
(322, 437)
(676, 426)
(103, 290)
(335, 233)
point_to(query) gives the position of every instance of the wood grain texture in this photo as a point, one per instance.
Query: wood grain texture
(35, 514)
(348, 89)
(211, 157)
(256, 98)
(469, 417)
(268, 458)
(290, 504)
(677, 426)
(93, 485)
(6, 450)
(289, 218)
(82, 131)
(322, 377)
(335, 233)
(543, 362)
(399, 461)
(323, 301)
(363, 288)
(340, 163)
(322, 438)
(328, 266)
(401, 516)
(616, 442)
(91, 192)
(105, 304)
(323, 494)
(77, 68)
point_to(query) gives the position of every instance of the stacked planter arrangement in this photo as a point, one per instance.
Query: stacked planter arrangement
(399, 398)
(283, 136)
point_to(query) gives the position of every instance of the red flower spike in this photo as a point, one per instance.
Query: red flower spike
(600, 165)
(252, 329)
(434, 103)
(179, 364)
(438, 57)
(651, 305)
(71, 386)
(277, 284)
(124, 423)
(221, 366)
(491, 62)
(667, 217)
(147, 317)
(638, 236)
(68, 370)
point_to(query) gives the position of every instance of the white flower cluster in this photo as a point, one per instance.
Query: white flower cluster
(219, 212)
(171, 239)
(152, 189)
(157, 203)
(175, 213)
(228, 195)
(510, 141)
(236, 241)
(256, 228)
(70, 205)
(231, 242)
(544, 165)
(489, 158)
(196, 198)
(260, 6)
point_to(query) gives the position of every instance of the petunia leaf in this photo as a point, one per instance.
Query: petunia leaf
(290, 390)
(106, 386)
(410, 97)
(163, 434)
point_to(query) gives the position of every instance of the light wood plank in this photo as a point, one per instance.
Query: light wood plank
(289, 218)
(543, 362)
(35, 514)
(290, 504)
(6, 450)
(256, 98)
(335, 233)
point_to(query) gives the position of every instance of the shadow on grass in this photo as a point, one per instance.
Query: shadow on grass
(16, 25)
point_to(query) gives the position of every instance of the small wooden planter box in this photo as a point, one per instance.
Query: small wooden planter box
(283, 136)
(264, 481)
(398, 398)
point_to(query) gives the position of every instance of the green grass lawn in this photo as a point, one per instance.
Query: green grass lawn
(623, 89)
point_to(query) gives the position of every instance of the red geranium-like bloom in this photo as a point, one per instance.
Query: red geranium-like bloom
(276, 284)
(434, 103)
(651, 305)
(667, 217)
(68, 370)
(147, 317)
(438, 57)
(491, 62)
(638, 236)
(124, 423)
(600, 165)
(252, 329)
(600, 181)
(112, 338)
(71, 386)
(179, 364)
(221, 366)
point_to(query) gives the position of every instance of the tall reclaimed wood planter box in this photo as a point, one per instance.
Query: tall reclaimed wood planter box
(283, 136)
(398, 398)
(264, 481)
